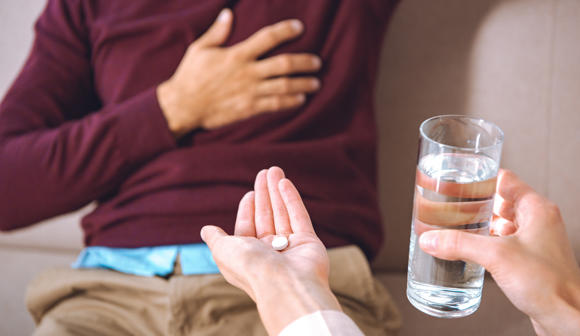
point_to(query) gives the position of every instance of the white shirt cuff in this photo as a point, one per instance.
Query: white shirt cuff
(322, 323)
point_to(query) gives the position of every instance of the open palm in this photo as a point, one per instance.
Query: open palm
(273, 209)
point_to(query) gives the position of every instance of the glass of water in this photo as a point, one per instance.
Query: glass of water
(455, 184)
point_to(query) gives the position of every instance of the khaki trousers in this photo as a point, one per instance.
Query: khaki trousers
(103, 302)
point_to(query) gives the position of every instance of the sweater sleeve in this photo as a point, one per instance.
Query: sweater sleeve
(59, 150)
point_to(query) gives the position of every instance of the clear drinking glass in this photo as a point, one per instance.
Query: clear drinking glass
(455, 183)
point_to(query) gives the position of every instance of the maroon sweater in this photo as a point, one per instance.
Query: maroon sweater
(81, 123)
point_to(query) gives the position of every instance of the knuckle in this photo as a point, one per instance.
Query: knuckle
(553, 210)
(452, 242)
(508, 173)
(278, 209)
(211, 124)
(269, 35)
(254, 107)
(193, 47)
(250, 71)
(276, 103)
(285, 85)
(233, 54)
(247, 105)
(285, 63)
(214, 121)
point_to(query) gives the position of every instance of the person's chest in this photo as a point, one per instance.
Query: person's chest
(138, 44)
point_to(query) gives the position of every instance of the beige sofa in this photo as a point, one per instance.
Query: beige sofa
(515, 62)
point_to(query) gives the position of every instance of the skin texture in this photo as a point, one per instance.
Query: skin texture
(284, 284)
(215, 86)
(531, 259)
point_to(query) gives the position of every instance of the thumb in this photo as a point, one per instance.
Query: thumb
(210, 234)
(458, 245)
(218, 32)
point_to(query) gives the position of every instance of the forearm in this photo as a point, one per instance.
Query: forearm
(282, 300)
(564, 321)
(48, 171)
(59, 147)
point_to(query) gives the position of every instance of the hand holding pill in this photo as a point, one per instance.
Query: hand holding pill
(274, 254)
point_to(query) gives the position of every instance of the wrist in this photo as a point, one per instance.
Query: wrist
(178, 119)
(562, 315)
(282, 299)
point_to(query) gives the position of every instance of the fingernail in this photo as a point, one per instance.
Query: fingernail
(203, 233)
(428, 242)
(315, 83)
(224, 15)
(297, 25)
(301, 98)
(276, 169)
(317, 62)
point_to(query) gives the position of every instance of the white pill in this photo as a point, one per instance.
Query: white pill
(279, 243)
